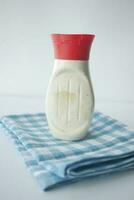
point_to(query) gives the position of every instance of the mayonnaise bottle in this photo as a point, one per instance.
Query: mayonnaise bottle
(70, 98)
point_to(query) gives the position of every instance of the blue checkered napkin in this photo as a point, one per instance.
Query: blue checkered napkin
(108, 148)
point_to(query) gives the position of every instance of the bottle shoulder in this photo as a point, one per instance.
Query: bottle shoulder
(72, 72)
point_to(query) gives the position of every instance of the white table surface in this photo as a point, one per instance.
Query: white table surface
(17, 184)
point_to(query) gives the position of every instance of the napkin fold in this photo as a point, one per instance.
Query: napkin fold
(108, 148)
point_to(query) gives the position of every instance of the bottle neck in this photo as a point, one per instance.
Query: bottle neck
(60, 64)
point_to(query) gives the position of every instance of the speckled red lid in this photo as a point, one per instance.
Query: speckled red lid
(72, 46)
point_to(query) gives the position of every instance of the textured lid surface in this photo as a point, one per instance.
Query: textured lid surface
(72, 46)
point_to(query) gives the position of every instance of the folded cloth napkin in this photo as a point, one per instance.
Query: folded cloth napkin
(108, 148)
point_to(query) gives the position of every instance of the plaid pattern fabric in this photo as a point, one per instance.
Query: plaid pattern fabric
(109, 147)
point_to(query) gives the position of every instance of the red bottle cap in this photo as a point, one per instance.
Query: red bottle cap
(72, 46)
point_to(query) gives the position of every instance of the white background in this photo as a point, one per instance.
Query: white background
(26, 63)
(26, 52)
